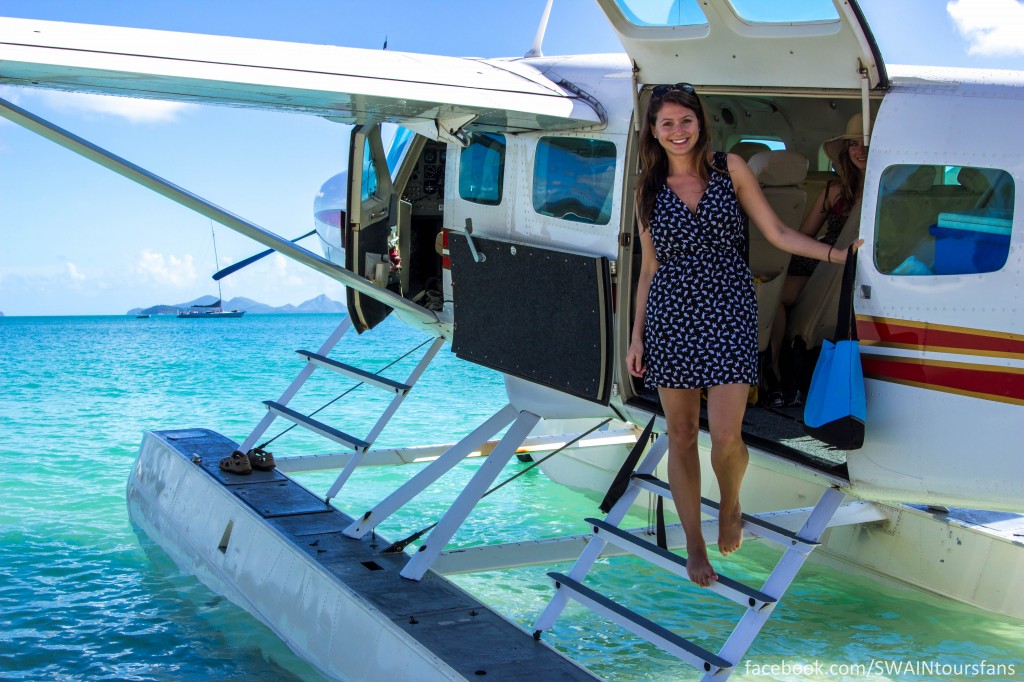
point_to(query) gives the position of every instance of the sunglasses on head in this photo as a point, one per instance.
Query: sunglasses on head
(660, 91)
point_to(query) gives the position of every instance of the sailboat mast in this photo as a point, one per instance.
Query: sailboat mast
(216, 264)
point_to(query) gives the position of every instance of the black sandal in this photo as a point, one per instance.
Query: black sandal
(261, 459)
(237, 463)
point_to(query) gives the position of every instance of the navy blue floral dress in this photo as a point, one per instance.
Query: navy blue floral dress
(701, 326)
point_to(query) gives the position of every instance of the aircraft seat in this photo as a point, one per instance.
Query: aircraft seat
(747, 149)
(813, 315)
(910, 206)
(779, 174)
(995, 188)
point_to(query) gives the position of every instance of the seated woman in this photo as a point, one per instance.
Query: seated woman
(832, 207)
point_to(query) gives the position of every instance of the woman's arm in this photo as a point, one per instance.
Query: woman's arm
(649, 265)
(815, 218)
(774, 230)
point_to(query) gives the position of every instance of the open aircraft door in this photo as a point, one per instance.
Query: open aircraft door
(369, 226)
(729, 43)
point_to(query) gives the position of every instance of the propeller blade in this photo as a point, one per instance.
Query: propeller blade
(221, 274)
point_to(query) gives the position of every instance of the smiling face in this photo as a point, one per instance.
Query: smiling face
(858, 154)
(677, 129)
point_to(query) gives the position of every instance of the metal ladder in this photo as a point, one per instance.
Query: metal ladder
(759, 603)
(359, 446)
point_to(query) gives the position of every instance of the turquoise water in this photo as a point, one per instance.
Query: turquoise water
(82, 598)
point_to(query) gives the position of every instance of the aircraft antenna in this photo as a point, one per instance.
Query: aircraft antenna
(539, 38)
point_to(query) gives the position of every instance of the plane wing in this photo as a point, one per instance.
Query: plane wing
(346, 84)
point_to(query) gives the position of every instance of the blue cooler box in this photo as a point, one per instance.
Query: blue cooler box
(971, 241)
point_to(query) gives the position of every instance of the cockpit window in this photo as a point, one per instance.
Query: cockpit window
(943, 220)
(791, 12)
(662, 12)
(401, 140)
(482, 169)
(370, 184)
(573, 179)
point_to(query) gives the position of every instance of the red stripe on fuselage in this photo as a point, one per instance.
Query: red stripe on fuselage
(878, 331)
(1003, 384)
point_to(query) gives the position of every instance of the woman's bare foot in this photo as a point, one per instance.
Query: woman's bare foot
(730, 529)
(698, 567)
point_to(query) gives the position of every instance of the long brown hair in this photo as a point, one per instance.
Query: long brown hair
(654, 160)
(850, 177)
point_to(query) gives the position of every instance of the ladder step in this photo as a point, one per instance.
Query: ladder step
(667, 640)
(313, 425)
(727, 587)
(759, 527)
(354, 372)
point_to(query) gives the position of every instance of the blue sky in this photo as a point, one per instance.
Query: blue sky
(77, 239)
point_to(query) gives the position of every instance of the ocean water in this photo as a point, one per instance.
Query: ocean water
(82, 597)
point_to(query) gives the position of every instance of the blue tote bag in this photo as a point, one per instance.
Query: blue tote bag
(836, 407)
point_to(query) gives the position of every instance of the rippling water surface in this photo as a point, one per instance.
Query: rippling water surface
(82, 597)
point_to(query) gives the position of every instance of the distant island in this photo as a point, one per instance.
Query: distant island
(320, 304)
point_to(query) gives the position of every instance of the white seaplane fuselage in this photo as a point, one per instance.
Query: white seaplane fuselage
(499, 231)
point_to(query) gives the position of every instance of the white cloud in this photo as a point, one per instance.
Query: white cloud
(286, 272)
(131, 109)
(166, 270)
(74, 274)
(991, 27)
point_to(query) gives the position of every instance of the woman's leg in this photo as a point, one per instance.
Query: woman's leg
(682, 415)
(729, 458)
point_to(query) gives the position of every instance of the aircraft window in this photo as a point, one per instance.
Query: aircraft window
(573, 179)
(662, 12)
(773, 143)
(369, 183)
(775, 12)
(399, 145)
(482, 169)
(943, 220)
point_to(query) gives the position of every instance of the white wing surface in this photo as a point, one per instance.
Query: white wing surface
(347, 84)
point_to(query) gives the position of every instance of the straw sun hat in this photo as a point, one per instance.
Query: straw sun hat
(854, 130)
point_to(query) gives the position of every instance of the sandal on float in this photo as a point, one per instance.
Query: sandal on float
(237, 463)
(261, 459)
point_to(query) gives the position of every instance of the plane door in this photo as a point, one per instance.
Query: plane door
(368, 230)
(814, 44)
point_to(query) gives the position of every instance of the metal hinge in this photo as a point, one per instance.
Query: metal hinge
(624, 239)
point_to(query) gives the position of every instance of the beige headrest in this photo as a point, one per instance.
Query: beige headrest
(973, 179)
(920, 180)
(747, 149)
(779, 168)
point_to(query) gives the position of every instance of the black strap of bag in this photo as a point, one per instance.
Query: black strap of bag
(662, 534)
(618, 487)
(846, 327)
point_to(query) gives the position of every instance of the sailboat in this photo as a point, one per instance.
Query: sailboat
(215, 309)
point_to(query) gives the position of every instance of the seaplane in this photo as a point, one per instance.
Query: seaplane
(506, 187)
